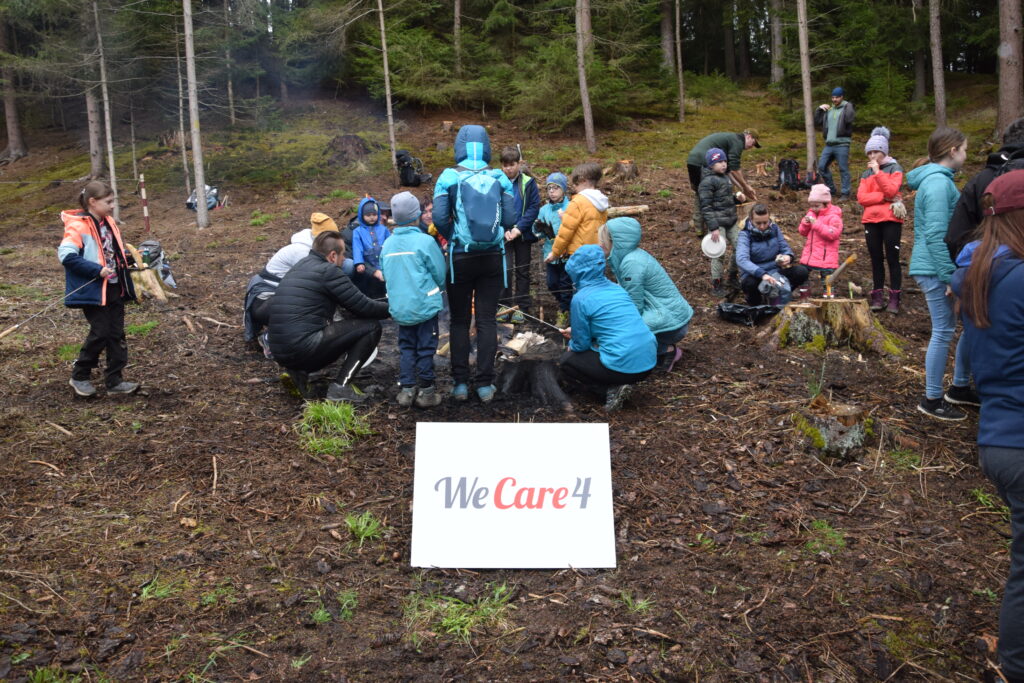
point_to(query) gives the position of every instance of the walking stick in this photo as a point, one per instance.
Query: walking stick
(46, 308)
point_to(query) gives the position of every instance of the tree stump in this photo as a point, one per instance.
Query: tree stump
(820, 323)
(346, 150)
(535, 372)
(836, 430)
(624, 170)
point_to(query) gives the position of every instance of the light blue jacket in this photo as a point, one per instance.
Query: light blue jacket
(549, 214)
(604, 316)
(653, 293)
(414, 274)
(933, 207)
(367, 240)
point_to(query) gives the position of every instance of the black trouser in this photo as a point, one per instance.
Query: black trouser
(357, 338)
(884, 243)
(106, 332)
(369, 285)
(585, 367)
(259, 312)
(475, 291)
(517, 264)
(695, 177)
(797, 275)
(560, 285)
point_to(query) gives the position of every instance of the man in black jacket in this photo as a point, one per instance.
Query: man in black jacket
(303, 335)
(967, 213)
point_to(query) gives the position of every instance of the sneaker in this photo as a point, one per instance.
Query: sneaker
(406, 396)
(717, 290)
(517, 318)
(82, 387)
(344, 392)
(562, 321)
(502, 317)
(265, 345)
(844, 197)
(962, 396)
(123, 388)
(428, 398)
(460, 392)
(486, 393)
(941, 409)
(616, 396)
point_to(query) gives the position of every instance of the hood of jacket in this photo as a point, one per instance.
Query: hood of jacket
(359, 212)
(967, 254)
(1005, 153)
(596, 197)
(919, 174)
(761, 236)
(625, 234)
(304, 237)
(472, 148)
(586, 266)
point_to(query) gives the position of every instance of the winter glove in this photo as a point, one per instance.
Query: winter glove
(899, 209)
(544, 228)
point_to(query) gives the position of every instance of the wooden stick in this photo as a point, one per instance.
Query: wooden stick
(58, 427)
(215, 474)
(43, 462)
(635, 210)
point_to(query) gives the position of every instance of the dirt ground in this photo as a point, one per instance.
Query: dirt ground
(183, 534)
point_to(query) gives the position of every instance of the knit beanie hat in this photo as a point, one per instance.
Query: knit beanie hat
(820, 193)
(838, 92)
(405, 208)
(558, 179)
(321, 222)
(879, 141)
(713, 156)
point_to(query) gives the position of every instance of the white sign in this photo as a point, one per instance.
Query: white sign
(512, 495)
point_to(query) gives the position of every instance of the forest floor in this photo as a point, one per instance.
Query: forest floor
(183, 534)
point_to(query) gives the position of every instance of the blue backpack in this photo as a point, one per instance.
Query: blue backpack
(478, 212)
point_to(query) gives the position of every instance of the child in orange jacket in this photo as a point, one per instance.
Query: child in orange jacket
(822, 226)
(587, 211)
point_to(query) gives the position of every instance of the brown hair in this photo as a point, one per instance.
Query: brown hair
(329, 241)
(1001, 229)
(758, 209)
(941, 142)
(589, 171)
(94, 189)
(510, 155)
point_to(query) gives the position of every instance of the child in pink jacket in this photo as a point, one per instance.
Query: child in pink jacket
(822, 226)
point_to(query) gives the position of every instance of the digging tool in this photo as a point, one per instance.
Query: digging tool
(542, 322)
(835, 274)
(44, 310)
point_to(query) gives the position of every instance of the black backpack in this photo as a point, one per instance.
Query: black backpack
(789, 175)
(410, 169)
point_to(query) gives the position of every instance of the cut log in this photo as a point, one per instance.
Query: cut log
(819, 323)
(146, 281)
(635, 210)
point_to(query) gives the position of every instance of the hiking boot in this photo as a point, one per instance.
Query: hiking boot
(877, 300)
(460, 392)
(344, 392)
(562, 321)
(717, 290)
(406, 396)
(941, 409)
(616, 396)
(894, 301)
(486, 393)
(517, 318)
(428, 398)
(962, 396)
(265, 345)
(82, 387)
(123, 387)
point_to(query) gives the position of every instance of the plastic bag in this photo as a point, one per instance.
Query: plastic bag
(746, 315)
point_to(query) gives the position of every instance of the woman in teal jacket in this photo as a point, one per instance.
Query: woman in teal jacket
(932, 267)
(664, 310)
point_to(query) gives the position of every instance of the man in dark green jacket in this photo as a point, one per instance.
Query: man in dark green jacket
(836, 122)
(733, 144)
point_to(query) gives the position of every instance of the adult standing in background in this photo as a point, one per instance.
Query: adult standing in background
(733, 144)
(836, 121)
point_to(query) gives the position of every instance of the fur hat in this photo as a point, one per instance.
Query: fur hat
(321, 222)
(820, 193)
(879, 141)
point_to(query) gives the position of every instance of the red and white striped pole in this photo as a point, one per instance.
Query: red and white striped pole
(145, 202)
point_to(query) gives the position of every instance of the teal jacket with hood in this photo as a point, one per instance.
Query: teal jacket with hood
(414, 274)
(933, 207)
(604, 316)
(654, 294)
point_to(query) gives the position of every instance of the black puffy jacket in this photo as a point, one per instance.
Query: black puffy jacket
(717, 202)
(967, 213)
(305, 302)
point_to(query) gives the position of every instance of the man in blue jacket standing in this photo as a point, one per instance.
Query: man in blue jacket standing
(836, 121)
(519, 240)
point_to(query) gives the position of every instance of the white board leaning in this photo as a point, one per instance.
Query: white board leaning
(512, 495)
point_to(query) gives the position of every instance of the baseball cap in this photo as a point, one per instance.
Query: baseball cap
(1007, 193)
(752, 132)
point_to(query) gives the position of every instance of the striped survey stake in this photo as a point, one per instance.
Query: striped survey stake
(145, 202)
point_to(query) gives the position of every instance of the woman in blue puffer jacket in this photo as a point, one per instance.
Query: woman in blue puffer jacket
(762, 254)
(664, 310)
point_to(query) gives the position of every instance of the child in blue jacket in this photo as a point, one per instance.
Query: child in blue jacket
(549, 220)
(367, 240)
(414, 274)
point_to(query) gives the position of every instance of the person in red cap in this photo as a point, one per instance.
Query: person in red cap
(990, 284)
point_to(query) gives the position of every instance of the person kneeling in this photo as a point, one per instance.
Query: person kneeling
(603, 316)
(762, 254)
(303, 335)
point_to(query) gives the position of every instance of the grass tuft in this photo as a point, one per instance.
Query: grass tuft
(454, 617)
(68, 352)
(329, 428)
(364, 527)
(824, 539)
(141, 329)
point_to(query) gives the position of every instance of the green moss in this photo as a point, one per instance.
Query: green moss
(68, 352)
(784, 333)
(817, 344)
(141, 329)
(808, 430)
(869, 426)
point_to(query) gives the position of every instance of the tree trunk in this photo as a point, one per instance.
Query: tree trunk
(106, 112)
(938, 66)
(227, 62)
(743, 67)
(15, 142)
(668, 52)
(778, 73)
(920, 75)
(584, 38)
(805, 80)
(202, 213)
(729, 42)
(92, 112)
(457, 38)
(679, 66)
(131, 129)
(387, 92)
(1011, 76)
(181, 114)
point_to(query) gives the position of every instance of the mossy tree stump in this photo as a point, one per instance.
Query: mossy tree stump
(820, 323)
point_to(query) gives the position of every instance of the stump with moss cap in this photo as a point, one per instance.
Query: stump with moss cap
(820, 323)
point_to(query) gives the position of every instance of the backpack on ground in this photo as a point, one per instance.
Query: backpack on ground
(478, 211)
(410, 169)
(212, 199)
(789, 175)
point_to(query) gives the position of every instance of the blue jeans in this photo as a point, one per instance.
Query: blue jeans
(841, 154)
(560, 285)
(417, 345)
(1005, 468)
(940, 307)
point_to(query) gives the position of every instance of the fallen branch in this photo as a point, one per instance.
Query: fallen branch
(58, 428)
(52, 467)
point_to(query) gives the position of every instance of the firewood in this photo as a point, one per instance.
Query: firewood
(146, 280)
(635, 210)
